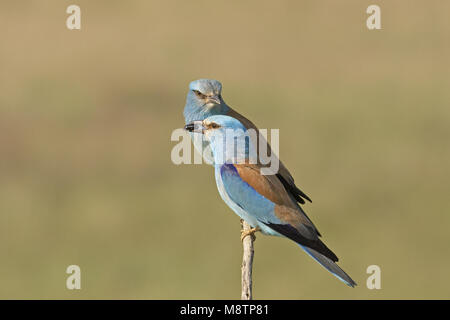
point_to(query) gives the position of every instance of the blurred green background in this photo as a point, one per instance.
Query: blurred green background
(85, 124)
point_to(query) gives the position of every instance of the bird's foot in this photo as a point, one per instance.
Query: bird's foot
(251, 232)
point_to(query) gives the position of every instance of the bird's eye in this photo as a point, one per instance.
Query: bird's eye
(214, 125)
(199, 94)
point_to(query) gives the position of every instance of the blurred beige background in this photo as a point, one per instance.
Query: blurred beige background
(85, 124)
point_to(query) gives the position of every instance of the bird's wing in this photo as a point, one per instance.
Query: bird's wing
(265, 198)
(283, 174)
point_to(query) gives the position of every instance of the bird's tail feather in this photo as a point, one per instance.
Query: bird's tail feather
(330, 266)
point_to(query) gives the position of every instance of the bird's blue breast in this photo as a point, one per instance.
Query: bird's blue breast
(245, 196)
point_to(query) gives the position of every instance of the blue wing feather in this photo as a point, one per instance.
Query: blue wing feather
(245, 197)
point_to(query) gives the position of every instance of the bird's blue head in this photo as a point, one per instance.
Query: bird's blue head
(230, 141)
(203, 100)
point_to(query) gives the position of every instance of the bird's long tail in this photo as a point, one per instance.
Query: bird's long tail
(330, 266)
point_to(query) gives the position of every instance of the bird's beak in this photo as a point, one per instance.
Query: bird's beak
(189, 127)
(195, 126)
(213, 99)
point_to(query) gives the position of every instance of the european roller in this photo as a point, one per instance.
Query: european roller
(261, 200)
(203, 100)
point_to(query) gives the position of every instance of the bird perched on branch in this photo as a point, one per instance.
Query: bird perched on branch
(262, 201)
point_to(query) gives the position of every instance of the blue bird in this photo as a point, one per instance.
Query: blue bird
(203, 100)
(261, 200)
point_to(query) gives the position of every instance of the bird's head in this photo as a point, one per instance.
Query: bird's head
(227, 137)
(205, 93)
(215, 125)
